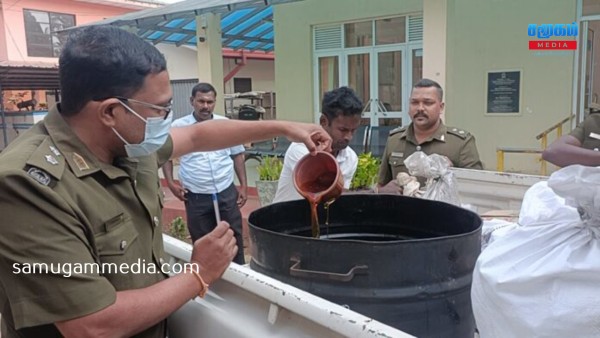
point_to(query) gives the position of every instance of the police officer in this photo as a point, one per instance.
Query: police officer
(581, 146)
(80, 199)
(427, 133)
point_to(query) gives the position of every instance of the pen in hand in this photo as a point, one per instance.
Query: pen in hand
(216, 206)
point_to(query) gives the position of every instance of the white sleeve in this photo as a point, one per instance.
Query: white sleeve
(237, 150)
(350, 170)
(285, 187)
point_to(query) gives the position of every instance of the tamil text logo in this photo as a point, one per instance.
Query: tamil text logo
(547, 31)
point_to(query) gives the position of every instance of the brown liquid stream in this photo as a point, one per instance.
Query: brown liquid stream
(314, 194)
(326, 206)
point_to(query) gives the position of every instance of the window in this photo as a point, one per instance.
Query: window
(390, 30)
(378, 58)
(358, 34)
(242, 84)
(328, 75)
(41, 32)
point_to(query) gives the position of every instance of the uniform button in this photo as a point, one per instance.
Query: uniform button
(162, 261)
(123, 245)
(135, 183)
(156, 222)
(418, 148)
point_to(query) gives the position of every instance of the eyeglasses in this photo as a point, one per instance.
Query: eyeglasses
(167, 109)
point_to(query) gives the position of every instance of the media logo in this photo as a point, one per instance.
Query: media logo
(546, 31)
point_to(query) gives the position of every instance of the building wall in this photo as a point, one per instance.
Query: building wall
(485, 36)
(3, 49)
(262, 73)
(480, 36)
(181, 61)
(293, 24)
(13, 29)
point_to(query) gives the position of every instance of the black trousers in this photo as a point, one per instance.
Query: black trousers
(201, 216)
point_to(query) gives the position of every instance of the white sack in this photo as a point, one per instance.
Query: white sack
(542, 279)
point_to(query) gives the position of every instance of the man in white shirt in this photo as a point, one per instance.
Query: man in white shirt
(340, 117)
(203, 174)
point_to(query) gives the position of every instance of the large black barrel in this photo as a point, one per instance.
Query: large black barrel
(403, 261)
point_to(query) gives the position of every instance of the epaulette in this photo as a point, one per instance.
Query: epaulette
(398, 130)
(463, 134)
(46, 164)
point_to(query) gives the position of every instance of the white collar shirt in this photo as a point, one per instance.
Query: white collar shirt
(206, 172)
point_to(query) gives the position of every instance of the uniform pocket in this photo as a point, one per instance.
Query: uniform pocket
(396, 161)
(396, 165)
(117, 237)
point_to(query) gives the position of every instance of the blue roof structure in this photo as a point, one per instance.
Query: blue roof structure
(245, 24)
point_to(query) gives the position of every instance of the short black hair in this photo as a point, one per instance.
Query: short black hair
(341, 101)
(99, 62)
(203, 87)
(427, 83)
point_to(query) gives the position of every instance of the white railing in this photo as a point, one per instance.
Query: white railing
(245, 303)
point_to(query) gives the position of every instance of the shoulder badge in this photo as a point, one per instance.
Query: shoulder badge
(463, 134)
(39, 175)
(397, 130)
(48, 160)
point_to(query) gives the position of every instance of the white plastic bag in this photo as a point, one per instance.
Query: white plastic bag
(542, 279)
(441, 184)
(493, 229)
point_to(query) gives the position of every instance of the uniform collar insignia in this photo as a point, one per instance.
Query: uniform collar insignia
(80, 162)
(54, 150)
(50, 159)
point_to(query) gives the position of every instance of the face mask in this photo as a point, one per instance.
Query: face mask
(157, 131)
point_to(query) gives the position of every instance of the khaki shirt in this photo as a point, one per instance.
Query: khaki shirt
(62, 207)
(588, 132)
(456, 144)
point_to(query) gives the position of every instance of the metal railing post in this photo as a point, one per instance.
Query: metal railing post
(500, 160)
(544, 165)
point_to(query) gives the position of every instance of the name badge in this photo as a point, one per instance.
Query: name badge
(594, 135)
(395, 154)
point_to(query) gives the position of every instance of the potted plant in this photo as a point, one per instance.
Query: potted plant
(366, 173)
(268, 178)
(179, 230)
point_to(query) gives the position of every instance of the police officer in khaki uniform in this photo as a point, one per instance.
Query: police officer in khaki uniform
(581, 146)
(81, 244)
(427, 133)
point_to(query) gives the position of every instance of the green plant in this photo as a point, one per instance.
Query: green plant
(178, 229)
(366, 172)
(270, 168)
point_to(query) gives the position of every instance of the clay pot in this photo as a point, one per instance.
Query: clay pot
(318, 178)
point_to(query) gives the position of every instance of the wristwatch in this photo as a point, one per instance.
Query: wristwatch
(203, 285)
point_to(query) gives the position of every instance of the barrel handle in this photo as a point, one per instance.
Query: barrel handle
(340, 277)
